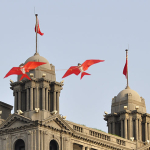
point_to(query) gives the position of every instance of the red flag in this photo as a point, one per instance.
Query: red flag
(38, 28)
(125, 70)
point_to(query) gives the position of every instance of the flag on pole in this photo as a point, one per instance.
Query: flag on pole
(125, 70)
(38, 28)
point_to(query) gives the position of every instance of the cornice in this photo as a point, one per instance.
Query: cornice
(22, 82)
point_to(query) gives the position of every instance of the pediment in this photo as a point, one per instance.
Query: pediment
(15, 121)
(58, 123)
(53, 124)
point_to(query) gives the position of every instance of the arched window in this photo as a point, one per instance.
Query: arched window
(53, 145)
(19, 145)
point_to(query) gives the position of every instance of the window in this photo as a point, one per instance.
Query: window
(53, 145)
(19, 145)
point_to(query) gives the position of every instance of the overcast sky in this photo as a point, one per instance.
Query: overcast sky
(73, 32)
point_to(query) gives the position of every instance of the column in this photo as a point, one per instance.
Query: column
(57, 101)
(113, 132)
(87, 148)
(145, 131)
(27, 100)
(19, 100)
(41, 140)
(15, 108)
(125, 128)
(34, 101)
(122, 128)
(31, 98)
(47, 99)
(43, 98)
(130, 127)
(136, 129)
(38, 140)
(140, 136)
(54, 98)
(109, 127)
(37, 97)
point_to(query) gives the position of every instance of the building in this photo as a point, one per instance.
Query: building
(37, 125)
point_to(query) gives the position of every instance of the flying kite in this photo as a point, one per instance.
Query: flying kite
(81, 68)
(22, 69)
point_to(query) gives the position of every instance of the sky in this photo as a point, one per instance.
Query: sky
(75, 31)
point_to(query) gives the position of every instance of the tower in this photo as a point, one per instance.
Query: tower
(128, 116)
(41, 93)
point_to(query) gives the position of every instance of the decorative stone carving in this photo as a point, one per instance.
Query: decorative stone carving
(29, 132)
(45, 132)
(5, 137)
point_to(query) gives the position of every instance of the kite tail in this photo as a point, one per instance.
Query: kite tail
(24, 76)
(84, 73)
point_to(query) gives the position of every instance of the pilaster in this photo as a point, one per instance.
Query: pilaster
(38, 140)
(34, 139)
(109, 127)
(49, 99)
(45, 143)
(113, 124)
(136, 129)
(34, 100)
(130, 127)
(41, 140)
(30, 140)
(140, 130)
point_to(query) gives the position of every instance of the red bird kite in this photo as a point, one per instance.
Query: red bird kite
(81, 68)
(23, 69)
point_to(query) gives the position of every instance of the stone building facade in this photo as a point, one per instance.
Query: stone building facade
(37, 125)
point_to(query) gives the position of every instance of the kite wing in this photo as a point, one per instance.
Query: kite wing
(90, 62)
(25, 76)
(72, 70)
(32, 65)
(14, 70)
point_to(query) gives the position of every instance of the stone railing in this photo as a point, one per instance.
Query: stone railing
(77, 128)
(99, 135)
(120, 142)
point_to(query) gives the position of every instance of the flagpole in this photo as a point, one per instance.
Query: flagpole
(36, 31)
(127, 65)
